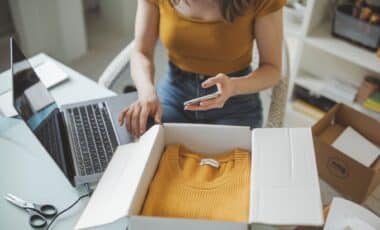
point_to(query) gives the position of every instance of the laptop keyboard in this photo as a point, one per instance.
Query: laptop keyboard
(93, 136)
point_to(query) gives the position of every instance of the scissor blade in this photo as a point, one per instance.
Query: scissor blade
(15, 200)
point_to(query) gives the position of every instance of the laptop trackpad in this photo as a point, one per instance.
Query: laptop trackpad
(116, 105)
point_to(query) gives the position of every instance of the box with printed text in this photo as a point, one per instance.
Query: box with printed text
(351, 178)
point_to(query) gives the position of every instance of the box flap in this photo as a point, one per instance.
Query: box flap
(364, 124)
(345, 214)
(199, 136)
(156, 223)
(115, 193)
(285, 187)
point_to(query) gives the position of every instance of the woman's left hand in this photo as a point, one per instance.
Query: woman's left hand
(226, 89)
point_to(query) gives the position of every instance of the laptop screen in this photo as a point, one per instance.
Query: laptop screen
(31, 98)
(37, 107)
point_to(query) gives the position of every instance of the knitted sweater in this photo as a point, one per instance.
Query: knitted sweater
(184, 188)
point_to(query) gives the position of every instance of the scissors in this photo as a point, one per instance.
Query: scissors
(38, 213)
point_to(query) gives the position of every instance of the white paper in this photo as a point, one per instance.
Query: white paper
(339, 90)
(38, 97)
(354, 145)
(6, 105)
(5, 81)
(50, 75)
(346, 215)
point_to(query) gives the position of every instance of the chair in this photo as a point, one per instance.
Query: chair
(276, 97)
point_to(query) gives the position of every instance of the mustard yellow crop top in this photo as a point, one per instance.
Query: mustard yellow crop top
(210, 47)
(183, 188)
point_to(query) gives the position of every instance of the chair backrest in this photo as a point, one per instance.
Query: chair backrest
(117, 67)
(274, 100)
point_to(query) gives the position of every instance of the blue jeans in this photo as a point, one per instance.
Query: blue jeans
(179, 86)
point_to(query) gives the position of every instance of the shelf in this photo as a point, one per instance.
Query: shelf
(294, 118)
(315, 85)
(321, 38)
(292, 22)
(292, 28)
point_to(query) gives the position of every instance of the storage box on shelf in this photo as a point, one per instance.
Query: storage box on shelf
(357, 24)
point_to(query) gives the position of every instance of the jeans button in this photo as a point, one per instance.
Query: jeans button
(202, 77)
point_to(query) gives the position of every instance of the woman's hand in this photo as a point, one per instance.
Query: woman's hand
(136, 115)
(226, 88)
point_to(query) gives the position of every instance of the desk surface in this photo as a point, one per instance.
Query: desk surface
(26, 170)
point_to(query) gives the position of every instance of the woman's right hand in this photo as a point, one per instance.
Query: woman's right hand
(136, 115)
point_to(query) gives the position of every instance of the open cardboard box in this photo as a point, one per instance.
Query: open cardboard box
(284, 179)
(348, 176)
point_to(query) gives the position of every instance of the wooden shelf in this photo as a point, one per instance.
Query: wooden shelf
(321, 38)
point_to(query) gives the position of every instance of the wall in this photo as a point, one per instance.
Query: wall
(5, 18)
(55, 27)
(120, 14)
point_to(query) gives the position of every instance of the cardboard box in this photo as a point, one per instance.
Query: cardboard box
(348, 176)
(284, 179)
(344, 214)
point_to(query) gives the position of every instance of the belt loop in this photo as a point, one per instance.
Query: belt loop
(178, 74)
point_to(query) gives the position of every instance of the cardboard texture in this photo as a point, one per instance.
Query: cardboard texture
(344, 215)
(351, 178)
(284, 180)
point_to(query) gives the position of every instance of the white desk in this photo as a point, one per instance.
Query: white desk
(27, 170)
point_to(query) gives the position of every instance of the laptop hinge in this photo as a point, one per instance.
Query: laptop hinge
(68, 159)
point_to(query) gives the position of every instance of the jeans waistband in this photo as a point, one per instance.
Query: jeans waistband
(183, 73)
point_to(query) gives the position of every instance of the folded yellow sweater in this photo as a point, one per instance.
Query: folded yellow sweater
(184, 188)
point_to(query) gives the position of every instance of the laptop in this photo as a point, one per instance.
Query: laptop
(81, 137)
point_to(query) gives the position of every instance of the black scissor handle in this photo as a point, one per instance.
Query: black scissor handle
(37, 221)
(47, 210)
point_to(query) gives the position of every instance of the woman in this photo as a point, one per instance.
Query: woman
(209, 43)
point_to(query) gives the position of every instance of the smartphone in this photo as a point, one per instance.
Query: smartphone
(200, 99)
